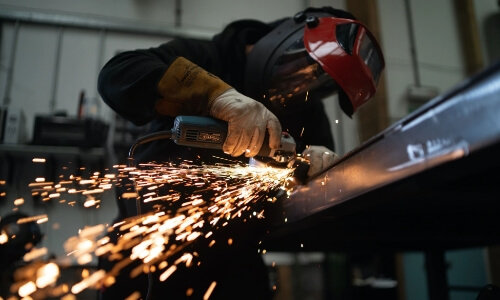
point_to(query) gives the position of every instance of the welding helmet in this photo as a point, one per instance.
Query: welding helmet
(316, 53)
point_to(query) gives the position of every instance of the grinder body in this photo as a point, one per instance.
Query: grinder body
(206, 132)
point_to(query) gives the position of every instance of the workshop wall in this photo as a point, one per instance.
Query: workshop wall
(438, 50)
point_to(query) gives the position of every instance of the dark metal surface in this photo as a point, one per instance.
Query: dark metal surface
(428, 181)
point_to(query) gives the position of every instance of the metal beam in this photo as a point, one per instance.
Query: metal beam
(448, 128)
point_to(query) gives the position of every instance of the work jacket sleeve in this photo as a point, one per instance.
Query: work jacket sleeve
(128, 83)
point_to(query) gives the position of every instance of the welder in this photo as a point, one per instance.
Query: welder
(262, 79)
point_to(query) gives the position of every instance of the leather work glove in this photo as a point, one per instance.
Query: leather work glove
(320, 158)
(187, 89)
(248, 121)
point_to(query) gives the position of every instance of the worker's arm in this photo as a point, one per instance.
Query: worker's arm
(128, 82)
(143, 84)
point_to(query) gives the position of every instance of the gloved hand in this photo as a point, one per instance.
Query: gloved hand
(248, 120)
(187, 89)
(320, 158)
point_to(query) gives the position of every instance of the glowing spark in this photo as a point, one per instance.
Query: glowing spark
(31, 219)
(19, 201)
(27, 289)
(42, 220)
(85, 273)
(35, 253)
(60, 290)
(104, 240)
(84, 259)
(207, 294)
(167, 273)
(216, 196)
(4, 238)
(104, 249)
(88, 282)
(92, 192)
(90, 202)
(129, 195)
(34, 184)
(186, 257)
(38, 160)
(134, 296)
(151, 219)
(87, 181)
(47, 275)
(92, 231)
(193, 236)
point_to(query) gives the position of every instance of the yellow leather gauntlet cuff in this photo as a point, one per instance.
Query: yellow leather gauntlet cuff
(187, 89)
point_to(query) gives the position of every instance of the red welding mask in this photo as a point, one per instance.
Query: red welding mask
(315, 53)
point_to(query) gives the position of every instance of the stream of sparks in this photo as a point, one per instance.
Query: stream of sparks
(182, 204)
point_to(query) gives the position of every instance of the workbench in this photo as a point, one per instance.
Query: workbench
(427, 183)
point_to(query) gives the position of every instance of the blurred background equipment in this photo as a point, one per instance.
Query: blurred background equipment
(69, 131)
